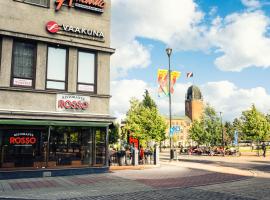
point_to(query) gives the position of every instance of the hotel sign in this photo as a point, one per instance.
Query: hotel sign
(53, 28)
(91, 5)
(72, 102)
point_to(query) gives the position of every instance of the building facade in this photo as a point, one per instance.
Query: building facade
(54, 83)
(182, 124)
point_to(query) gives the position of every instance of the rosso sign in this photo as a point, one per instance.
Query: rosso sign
(22, 140)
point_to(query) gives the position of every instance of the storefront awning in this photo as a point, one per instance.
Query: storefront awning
(53, 123)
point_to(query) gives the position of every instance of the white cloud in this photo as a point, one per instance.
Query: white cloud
(226, 97)
(251, 3)
(131, 55)
(172, 22)
(122, 91)
(242, 40)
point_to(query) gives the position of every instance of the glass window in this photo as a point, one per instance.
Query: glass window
(86, 72)
(36, 2)
(56, 69)
(71, 146)
(23, 60)
(0, 53)
(100, 146)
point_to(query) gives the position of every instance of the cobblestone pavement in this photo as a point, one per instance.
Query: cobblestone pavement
(190, 179)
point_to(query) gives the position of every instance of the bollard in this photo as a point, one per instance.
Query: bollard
(135, 157)
(156, 155)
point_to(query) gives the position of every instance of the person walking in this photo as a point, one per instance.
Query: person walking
(264, 149)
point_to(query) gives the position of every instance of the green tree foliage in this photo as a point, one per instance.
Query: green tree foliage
(207, 130)
(144, 121)
(228, 133)
(113, 133)
(255, 125)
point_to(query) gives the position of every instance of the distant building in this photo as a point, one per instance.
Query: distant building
(181, 124)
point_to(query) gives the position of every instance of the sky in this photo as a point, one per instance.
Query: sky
(225, 43)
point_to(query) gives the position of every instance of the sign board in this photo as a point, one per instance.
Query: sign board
(72, 103)
(22, 139)
(22, 82)
(90, 5)
(175, 129)
(74, 31)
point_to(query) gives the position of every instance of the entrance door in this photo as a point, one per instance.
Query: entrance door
(24, 156)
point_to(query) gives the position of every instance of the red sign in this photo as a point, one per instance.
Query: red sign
(22, 140)
(52, 27)
(134, 141)
(93, 5)
(67, 104)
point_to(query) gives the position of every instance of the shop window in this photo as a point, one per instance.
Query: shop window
(23, 64)
(56, 68)
(0, 53)
(100, 138)
(86, 72)
(44, 3)
(70, 146)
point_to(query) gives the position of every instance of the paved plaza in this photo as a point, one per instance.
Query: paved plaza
(191, 177)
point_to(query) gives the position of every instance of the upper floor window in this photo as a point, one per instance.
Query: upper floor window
(56, 68)
(86, 72)
(23, 64)
(0, 53)
(44, 3)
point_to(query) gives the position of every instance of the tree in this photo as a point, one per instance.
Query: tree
(255, 125)
(144, 121)
(207, 130)
(113, 133)
(229, 133)
(148, 102)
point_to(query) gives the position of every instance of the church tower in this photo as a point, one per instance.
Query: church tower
(194, 103)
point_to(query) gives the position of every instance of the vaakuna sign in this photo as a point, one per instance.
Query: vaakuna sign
(53, 27)
(91, 5)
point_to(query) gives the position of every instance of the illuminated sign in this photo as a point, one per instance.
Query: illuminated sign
(53, 28)
(91, 5)
(23, 139)
(72, 102)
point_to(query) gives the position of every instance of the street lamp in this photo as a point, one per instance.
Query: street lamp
(222, 135)
(169, 52)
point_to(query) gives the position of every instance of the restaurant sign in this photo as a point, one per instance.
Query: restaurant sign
(91, 5)
(73, 103)
(53, 28)
(23, 139)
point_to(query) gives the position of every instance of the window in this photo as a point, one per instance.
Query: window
(44, 3)
(23, 64)
(56, 68)
(86, 72)
(0, 53)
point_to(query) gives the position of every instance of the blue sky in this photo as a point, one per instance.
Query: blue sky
(225, 43)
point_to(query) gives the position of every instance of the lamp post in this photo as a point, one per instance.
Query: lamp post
(169, 52)
(222, 135)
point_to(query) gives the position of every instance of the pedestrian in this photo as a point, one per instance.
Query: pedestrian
(264, 149)
(141, 155)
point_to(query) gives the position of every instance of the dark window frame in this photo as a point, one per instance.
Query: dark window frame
(34, 65)
(66, 68)
(35, 4)
(95, 75)
(1, 43)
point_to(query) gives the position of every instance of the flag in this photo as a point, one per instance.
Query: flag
(174, 76)
(164, 83)
(189, 74)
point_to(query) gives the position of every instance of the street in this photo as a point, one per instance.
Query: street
(191, 177)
